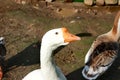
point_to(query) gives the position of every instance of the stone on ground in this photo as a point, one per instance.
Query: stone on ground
(111, 2)
(100, 2)
(88, 2)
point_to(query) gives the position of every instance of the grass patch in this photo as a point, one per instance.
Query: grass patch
(78, 1)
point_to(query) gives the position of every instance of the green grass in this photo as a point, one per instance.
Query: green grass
(78, 0)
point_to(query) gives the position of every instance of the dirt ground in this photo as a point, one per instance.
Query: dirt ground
(24, 25)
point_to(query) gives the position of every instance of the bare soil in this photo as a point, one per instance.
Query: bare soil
(24, 25)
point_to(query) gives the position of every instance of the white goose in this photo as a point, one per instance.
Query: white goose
(50, 41)
(103, 52)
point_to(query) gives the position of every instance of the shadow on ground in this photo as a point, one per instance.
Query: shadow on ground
(84, 34)
(28, 56)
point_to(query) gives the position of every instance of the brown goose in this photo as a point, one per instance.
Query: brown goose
(102, 52)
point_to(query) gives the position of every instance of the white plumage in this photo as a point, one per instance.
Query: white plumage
(50, 41)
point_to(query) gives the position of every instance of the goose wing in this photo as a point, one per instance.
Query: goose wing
(103, 55)
(91, 50)
(104, 59)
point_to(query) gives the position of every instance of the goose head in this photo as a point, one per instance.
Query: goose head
(57, 37)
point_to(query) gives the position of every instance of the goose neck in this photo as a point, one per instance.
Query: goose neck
(46, 57)
(116, 27)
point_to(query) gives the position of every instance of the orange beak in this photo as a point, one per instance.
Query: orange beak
(68, 37)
